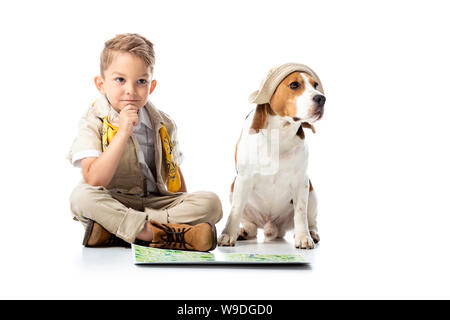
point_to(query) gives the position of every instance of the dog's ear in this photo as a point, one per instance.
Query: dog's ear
(300, 131)
(260, 117)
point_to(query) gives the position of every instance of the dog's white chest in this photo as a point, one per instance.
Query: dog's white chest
(271, 194)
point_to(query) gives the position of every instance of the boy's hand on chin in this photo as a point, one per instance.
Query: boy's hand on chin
(128, 119)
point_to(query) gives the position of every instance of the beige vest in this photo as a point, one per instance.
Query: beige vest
(128, 177)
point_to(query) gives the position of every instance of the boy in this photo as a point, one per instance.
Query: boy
(133, 190)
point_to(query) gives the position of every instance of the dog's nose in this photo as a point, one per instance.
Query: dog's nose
(319, 99)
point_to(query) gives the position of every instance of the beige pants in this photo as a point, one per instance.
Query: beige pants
(125, 215)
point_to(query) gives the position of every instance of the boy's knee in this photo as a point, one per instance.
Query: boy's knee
(83, 197)
(213, 206)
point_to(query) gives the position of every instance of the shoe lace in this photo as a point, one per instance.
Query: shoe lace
(173, 236)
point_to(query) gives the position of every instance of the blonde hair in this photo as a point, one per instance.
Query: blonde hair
(127, 42)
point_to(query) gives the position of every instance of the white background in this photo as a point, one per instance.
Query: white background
(379, 160)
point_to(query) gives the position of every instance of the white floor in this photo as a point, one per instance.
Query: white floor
(44, 268)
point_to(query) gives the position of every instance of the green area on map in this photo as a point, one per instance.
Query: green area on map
(149, 255)
(272, 258)
(153, 255)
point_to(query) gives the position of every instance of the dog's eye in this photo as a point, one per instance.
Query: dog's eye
(316, 85)
(294, 85)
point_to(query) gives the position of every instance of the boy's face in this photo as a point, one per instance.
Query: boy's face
(126, 81)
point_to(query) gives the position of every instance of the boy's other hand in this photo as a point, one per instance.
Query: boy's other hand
(128, 119)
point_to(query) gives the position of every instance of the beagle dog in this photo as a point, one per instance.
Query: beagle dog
(272, 189)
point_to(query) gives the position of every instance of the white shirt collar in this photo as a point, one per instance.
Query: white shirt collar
(144, 118)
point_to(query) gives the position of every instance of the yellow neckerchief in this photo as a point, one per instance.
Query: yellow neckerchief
(108, 132)
(174, 180)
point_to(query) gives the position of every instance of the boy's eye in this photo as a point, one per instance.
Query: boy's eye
(142, 81)
(119, 79)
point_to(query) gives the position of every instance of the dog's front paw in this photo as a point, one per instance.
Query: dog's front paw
(226, 240)
(304, 242)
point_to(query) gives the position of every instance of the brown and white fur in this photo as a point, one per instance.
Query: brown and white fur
(276, 194)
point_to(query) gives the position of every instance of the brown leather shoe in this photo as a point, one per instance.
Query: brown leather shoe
(200, 237)
(97, 236)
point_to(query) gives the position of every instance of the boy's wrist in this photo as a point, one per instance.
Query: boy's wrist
(122, 134)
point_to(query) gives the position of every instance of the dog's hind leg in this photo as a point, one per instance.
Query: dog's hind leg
(312, 216)
(270, 231)
(248, 231)
(284, 224)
